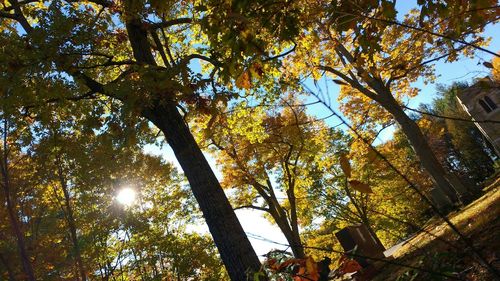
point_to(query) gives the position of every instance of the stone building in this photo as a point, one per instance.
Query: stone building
(482, 102)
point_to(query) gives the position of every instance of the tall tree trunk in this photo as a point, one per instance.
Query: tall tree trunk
(420, 146)
(71, 221)
(384, 97)
(21, 245)
(292, 237)
(13, 218)
(233, 245)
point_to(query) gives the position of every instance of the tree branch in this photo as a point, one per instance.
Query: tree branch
(450, 117)
(283, 54)
(432, 33)
(170, 23)
(252, 207)
(186, 59)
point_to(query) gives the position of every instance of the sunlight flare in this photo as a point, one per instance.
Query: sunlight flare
(126, 196)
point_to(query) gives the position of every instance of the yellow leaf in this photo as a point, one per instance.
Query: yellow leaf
(345, 165)
(360, 186)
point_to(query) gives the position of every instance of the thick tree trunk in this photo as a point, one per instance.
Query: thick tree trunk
(234, 247)
(420, 146)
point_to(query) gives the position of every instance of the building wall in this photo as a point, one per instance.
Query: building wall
(482, 102)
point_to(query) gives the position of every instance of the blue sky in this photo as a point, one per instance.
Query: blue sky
(448, 73)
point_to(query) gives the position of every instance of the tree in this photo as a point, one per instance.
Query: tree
(12, 184)
(379, 59)
(66, 175)
(388, 209)
(267, 156)
(84, 46)
(465, 151)
(365, 49)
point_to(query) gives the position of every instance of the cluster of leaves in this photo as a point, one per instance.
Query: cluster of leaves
(279, 160)
(62, 170)
(280, 265)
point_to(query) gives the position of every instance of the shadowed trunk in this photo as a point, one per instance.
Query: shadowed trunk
(420, 146)
(13, 217)
(291, 236)
(234, 247)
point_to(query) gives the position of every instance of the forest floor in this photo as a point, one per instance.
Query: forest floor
(438, 251)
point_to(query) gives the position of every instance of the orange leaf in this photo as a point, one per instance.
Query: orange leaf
(312, 269)
(350, 266)
(360, 186)
(244, 81)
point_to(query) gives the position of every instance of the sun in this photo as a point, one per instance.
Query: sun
(126, 196)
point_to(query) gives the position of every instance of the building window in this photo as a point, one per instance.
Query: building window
(490, 102)
(485, 106)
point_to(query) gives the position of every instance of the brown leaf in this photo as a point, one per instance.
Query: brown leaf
(371, 155)
(350, 266)
(244, 81)
(360, 186)
(345, 165)
(488, 64)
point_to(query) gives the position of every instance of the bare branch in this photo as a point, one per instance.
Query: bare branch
(450, 117)
(110, 63)
(170, 23)
(283, 54)
(252, 207)
(186, 59)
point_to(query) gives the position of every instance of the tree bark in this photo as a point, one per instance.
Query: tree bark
(234, 247)
(288, 227)
(420, 146)
(292, 237)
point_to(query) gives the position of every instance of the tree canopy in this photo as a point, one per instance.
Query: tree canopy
(85, 85)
